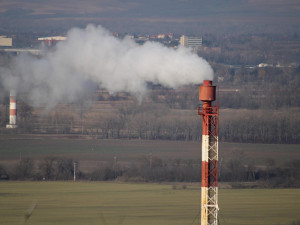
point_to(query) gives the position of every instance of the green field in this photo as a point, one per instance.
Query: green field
(136, 204)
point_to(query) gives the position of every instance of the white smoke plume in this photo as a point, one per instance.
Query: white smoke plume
(93, 56)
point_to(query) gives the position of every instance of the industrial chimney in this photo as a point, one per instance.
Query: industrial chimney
(209, 180)
(12, 110)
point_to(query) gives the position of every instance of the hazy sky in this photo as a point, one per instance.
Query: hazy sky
(153, 16)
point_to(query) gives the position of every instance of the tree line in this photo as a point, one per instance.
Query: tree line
(259, 88)
(154, 169)
(153, 121)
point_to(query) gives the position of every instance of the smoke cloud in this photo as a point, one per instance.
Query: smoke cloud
(93, 57)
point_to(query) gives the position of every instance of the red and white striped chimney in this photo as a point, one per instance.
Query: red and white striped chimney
(209, 180)
(12, 110)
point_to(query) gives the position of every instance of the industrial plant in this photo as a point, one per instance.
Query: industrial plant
(142, 112)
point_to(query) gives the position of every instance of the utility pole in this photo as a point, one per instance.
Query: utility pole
(74, 171)
(115, 166)
(150, 160)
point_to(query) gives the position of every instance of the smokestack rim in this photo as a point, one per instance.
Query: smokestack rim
(207, 83)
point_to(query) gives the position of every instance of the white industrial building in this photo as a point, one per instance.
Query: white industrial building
(5, 41)
(50, 41)
(191, 42)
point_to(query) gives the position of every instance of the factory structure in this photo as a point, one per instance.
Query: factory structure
(12, 110)
(5, 41)
(191, 42)
(209, 179)
(50, 41)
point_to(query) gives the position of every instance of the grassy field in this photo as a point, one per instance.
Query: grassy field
(64, 203)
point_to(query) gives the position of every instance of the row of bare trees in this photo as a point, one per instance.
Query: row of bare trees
(263, 126)
(156, 170)
(50, 168)
(249, 49)
(153, 121)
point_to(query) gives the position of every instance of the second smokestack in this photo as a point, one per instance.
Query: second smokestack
(12, 110)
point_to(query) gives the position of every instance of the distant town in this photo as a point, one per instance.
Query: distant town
(262, 50)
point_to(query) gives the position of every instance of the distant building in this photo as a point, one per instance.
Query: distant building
(170, 35)
(211, 49)
(264, 65)
(116, 34)
(17, 51)
(51, 40)
(161, 36)
(191, 42)
(5, 41)
(143, 38)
